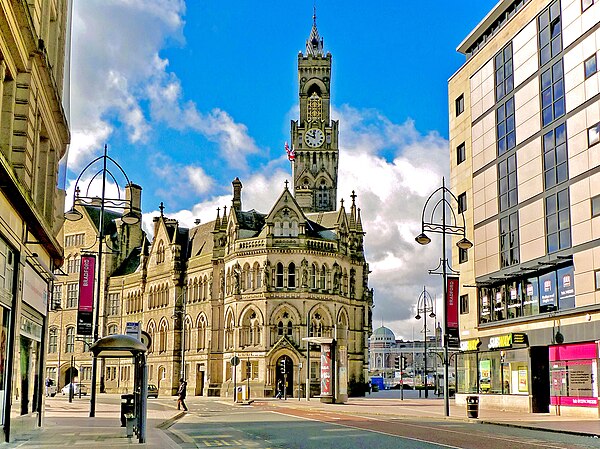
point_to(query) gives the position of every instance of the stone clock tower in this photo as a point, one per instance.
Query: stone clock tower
(315, 136)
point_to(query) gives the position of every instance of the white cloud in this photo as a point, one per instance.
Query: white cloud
(117, 69)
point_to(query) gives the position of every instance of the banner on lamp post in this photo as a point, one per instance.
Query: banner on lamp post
(85, 309)
(452, 334)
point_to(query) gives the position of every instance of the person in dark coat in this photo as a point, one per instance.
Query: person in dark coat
(181, 393)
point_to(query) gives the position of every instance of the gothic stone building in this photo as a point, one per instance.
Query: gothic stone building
(247, 284)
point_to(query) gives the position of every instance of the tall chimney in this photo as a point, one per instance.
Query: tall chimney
(133, 194)
(237, 194)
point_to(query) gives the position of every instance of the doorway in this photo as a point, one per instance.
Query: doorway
(285, 373)
(199, 379)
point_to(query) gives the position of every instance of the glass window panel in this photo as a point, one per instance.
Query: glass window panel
(593, 135)
(501, 146)
(559, 108)
(548, 140)
(556, 44)
(509, 83)
(547, 116)
(546, 79)
(549, 159)
(545, 37)
(561, 173)
(498, 60)
(504, 202)
(502, 169)
(554, 11)
(503, 185)
(552, 243)
(550, 178)
(512, 163)
(501, 129)
(563, 219)
(563, 199)
(545, 55)
(499, 91)
(550, 205)
(512, 178)
(508, 53)
(544, 19)
(499, 76)
(510, 140)
(547, 97)
(500, 114)
(590, 66)
(565, 238)
(560, 134)
(512, 198)
(558, 89)
(510, 105)
(508, 69)
(510, 123)
(595, 206)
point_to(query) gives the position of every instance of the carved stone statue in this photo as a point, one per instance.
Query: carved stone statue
(304, 269)
(266, 275)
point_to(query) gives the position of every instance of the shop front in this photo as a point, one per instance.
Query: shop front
(497, 369)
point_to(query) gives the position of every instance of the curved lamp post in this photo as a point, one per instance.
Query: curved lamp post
(130, 217)
(440, 203)
(424, 305)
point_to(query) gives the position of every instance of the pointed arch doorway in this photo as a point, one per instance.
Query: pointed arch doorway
(285, 376)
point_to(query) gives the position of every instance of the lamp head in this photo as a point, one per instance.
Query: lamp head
(417, 316)
(464, 243)
(73, 214)
(422, 239)
(432, 315)
(130, 218)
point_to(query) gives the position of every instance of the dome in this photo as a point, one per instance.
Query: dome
(383, 334)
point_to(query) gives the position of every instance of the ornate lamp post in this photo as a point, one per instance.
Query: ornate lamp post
(424, 305)
(130, 217)
(442, 205)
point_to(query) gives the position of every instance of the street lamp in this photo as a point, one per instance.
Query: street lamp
(424, 305)
(130, 217)
(432, 224)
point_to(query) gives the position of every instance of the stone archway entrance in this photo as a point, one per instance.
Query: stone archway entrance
(286, 376)
(70, 374)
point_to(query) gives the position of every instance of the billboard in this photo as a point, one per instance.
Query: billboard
(452, 333)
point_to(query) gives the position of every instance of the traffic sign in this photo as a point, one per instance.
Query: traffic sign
(235, 360)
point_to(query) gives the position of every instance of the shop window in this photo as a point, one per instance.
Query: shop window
(530, 296)
(514, 308)
(499, 305)
(485, 314)
(566, 288)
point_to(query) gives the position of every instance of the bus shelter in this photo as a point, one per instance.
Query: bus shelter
(124, 346)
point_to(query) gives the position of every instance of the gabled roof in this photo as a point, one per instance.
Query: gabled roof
(250, 220)
(109, 218)
(130, 264)
(201, 239)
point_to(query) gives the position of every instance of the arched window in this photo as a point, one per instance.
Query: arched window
(257, 276)
(160, 252)
(187, 338)
(201, 334)
(152, 333)
(280, 329)
(279, 275)
(113, 329)
(314, 276)
(229, 328)
(70, 341)
(290, 328)
(162, 347)
(322, 278)
(53, 340)
(291, 275)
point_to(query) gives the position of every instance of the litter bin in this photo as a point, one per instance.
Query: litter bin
(472, 406)
(127, 407)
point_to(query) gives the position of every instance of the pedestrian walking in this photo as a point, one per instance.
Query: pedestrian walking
(49, 383)
(181, 393)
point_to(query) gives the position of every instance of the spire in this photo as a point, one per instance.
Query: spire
(314, 44)
(353, 210)
(224, 223)
(218, 220)
(359, 227)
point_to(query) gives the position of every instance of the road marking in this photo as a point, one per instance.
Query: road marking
(369, 430)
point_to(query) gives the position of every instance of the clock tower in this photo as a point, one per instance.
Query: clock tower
(315, 136)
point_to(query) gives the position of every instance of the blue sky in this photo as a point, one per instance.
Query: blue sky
(189, 95)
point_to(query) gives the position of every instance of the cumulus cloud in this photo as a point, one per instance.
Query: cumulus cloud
(118, 79)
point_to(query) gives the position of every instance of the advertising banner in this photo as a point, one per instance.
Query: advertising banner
(85, 308)
(326, 369)
(452, 312)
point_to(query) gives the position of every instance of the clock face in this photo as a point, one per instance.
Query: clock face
(314, 137)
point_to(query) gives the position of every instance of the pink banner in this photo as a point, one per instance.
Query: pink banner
(573, 401)
(325, 369)
(573, 351)
(86, 283)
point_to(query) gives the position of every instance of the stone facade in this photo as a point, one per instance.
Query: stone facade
(247, 284)
(34, 135)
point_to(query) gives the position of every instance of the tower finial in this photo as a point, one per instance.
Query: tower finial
(314, 44)
(315, 13)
